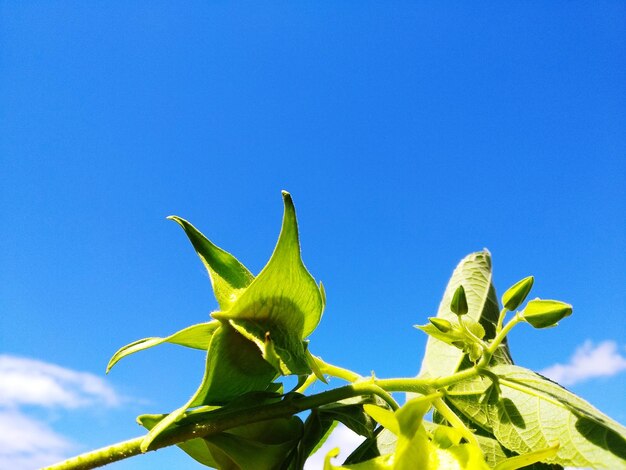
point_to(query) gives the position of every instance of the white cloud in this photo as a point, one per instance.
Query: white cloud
(32, 382)
(28, 443)
(588, 362)
(341, 437)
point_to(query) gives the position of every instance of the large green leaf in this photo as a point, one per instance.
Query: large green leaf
(194, 336)
(283, 304)
(530, 412)
(228, 276)
(474, 274)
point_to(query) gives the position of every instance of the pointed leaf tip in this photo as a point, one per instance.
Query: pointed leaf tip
(283, 299)
(228, 276)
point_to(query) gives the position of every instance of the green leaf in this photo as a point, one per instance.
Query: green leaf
(228, 276)
(234, 367)
(195, 448)
(350, 412)
(317, 428)
(283, 304)
(383, 443)
(530, 458)
(256, 446)
(194, 336)
(262, 446)
(531, 412)
(322, 421)
(474, 273)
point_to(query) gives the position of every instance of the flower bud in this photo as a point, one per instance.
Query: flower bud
(516, 294)
(545, 313)
(441, 324)
(458, 304)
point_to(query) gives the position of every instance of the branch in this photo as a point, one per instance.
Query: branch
(215, 422)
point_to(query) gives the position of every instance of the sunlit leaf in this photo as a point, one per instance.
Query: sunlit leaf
(382, 443)
(531, 412)
(228, 276)
(194, 336)
(234, 367)
(283, 304)
(262, 446)
(317, 429)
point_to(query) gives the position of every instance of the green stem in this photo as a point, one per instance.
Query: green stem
(217, 422)
(336, 371)
(501, 320)
(503, 332)
(454, 420)
(310, 380)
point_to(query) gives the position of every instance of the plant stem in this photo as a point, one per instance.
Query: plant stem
(217, 421)
(454, 420)
(336, 371)
(310, 380)
(503, 332)
(501, 320)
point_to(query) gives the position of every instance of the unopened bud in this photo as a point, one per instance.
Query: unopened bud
(516, 294)
(458, 304)
(545, 313)
(441, 324)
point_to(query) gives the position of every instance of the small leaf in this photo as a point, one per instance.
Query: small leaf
(383, 443)
(317, 428)
(545, 313)
(194, 336)
(228, 276)
(517, 293)
(351, 413)
(458, 304)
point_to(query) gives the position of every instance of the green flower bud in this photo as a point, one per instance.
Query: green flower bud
(458, 304)
(545, 313)
(441, 324)
(516, 294)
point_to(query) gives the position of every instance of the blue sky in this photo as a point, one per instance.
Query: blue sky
(409, 136)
